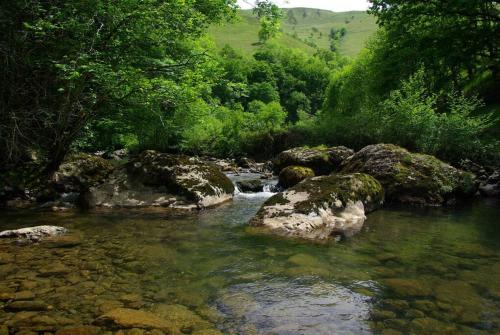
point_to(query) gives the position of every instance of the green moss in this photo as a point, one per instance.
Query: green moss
(278, 199)
(292, 175)
(411, 178)
(158, 169)
(327, 191)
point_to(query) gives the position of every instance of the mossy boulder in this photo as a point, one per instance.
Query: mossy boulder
(199, 181)
(321, 207)
(292, 175)
(159, 179)
(81, 171)
(411, 178)
(322, 160)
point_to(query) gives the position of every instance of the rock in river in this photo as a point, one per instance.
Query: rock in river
(320, 207)
(159, 179)
(79, 172)
(34, 234)
(292, 175)
(130, 318)
(322, 160)
(250, 186)
(411, 178)
(491, 187)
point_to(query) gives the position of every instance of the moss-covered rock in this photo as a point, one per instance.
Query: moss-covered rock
(159, 179)
(322, 160)
(411, 178)
(199, 181)
(81, 171)
(292, 175)
(321, 207)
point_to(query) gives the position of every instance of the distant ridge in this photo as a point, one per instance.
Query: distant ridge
(303, 28)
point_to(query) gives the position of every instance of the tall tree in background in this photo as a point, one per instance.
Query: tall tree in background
(456, 40)
(64, 62)
(270, 19)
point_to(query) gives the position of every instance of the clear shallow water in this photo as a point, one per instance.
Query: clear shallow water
(419, 271)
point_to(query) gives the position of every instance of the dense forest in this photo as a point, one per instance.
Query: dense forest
(99, 75)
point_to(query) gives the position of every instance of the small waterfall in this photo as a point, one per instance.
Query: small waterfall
(236, 189)
(269, 188)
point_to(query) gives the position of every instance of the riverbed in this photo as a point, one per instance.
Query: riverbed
(410, 270)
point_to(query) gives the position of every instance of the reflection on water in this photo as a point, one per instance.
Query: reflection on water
(300, 306)
(432, 271)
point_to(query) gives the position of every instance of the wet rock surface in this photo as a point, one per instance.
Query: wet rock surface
(321, 207)
(490, 186)
(412, 178)
(250, 186)
(322, 160)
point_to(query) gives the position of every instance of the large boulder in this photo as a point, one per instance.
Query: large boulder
(321, 207)
(159, 179)
(322, 160)
(411, 178)
(292, 175)
(80, 172)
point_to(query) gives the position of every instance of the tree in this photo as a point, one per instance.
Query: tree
(454, 39)
(270, 17)
(69, 62)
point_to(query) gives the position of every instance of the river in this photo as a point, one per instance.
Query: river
(419, 271)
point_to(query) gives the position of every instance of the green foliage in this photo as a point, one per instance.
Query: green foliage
(270, 17)
(454, 40)
(411, 116)
(68, 63)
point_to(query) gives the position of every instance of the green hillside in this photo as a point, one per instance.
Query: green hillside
(303, 28)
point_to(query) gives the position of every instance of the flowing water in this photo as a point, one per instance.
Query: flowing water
(409, 271)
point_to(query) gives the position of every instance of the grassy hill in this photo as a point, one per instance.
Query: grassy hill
(303, 28)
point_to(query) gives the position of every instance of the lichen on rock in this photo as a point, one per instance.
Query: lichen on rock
(159, 179)
(321, 207)
(81, 171)
(411, 178)
(322, 160)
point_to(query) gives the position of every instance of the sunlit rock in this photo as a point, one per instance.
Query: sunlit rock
(321, 207)
(34, 234)
(157, 179)
(322, 160)
(411, 178)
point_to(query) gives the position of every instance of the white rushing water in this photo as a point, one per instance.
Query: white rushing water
(267, 192)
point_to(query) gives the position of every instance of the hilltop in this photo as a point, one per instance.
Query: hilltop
(303, 28)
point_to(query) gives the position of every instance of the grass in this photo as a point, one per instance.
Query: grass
(300, 25)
